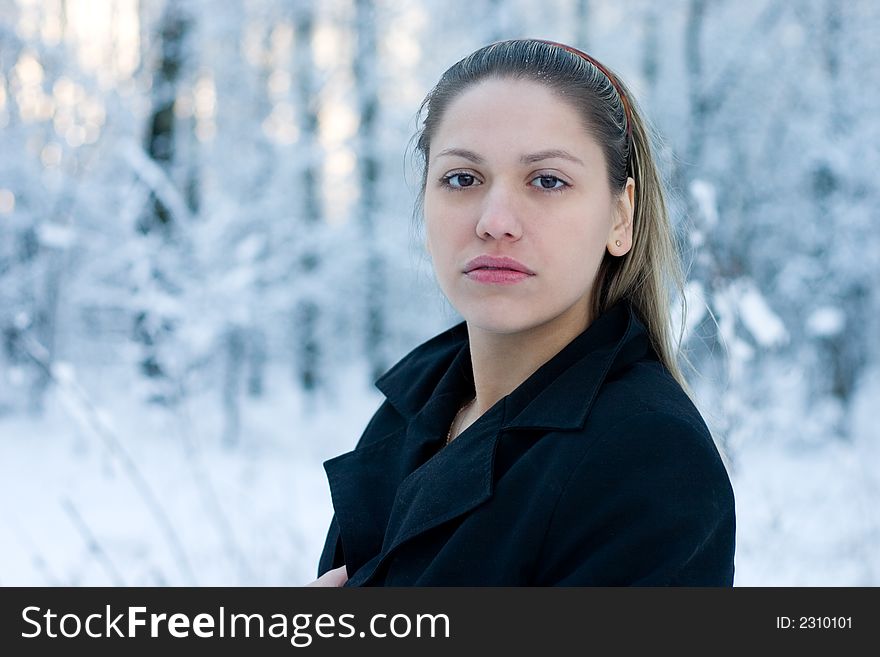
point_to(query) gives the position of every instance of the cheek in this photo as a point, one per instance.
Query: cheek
(432, 238)
(429, 223)
(579, 250)
(446, 231)
(440, 244)
(434, 214)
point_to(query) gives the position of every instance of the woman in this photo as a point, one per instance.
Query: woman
(547, 439)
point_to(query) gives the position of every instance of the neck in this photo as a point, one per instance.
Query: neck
(502, 361)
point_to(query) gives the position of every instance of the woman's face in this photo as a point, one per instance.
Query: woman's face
(514, 173)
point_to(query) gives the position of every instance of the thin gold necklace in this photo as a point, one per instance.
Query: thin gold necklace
(455, 420)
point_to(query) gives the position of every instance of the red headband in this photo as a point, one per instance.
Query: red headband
(607, 73)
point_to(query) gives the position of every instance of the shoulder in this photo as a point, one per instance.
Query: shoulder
(653, 449)
(645, 429)
(646, 387)
(648, 502)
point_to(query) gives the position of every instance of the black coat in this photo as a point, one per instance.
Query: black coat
(596, 471)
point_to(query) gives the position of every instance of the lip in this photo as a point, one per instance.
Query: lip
(497, 276)
(497, 263)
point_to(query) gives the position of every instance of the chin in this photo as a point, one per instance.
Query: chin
(502, 320)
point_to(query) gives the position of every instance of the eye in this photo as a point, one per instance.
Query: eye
(549, 183)
(460, 180)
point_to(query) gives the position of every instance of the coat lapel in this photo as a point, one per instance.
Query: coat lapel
(450, 483)
(365, 484)
(363, 490)
(389, 491)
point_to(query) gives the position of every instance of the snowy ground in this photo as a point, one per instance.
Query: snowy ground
(193, 512)
(72, 513)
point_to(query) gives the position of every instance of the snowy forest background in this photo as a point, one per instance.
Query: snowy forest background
(208, 253)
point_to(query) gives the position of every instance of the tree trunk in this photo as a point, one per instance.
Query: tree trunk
(367, 83)
(307, 312)
(174, 29)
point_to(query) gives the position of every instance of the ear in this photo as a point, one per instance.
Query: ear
(622, 228)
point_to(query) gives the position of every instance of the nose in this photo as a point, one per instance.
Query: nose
(499, 218)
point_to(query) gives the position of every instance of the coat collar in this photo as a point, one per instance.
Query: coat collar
(441, 366)
(394, 488)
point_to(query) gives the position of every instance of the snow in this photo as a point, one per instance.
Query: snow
(826, 321)
(253, 515)
(764, 325)
(705, 196)
(56, 236)
(806, 517)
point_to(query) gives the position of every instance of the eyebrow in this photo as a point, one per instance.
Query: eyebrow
(529, 158)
